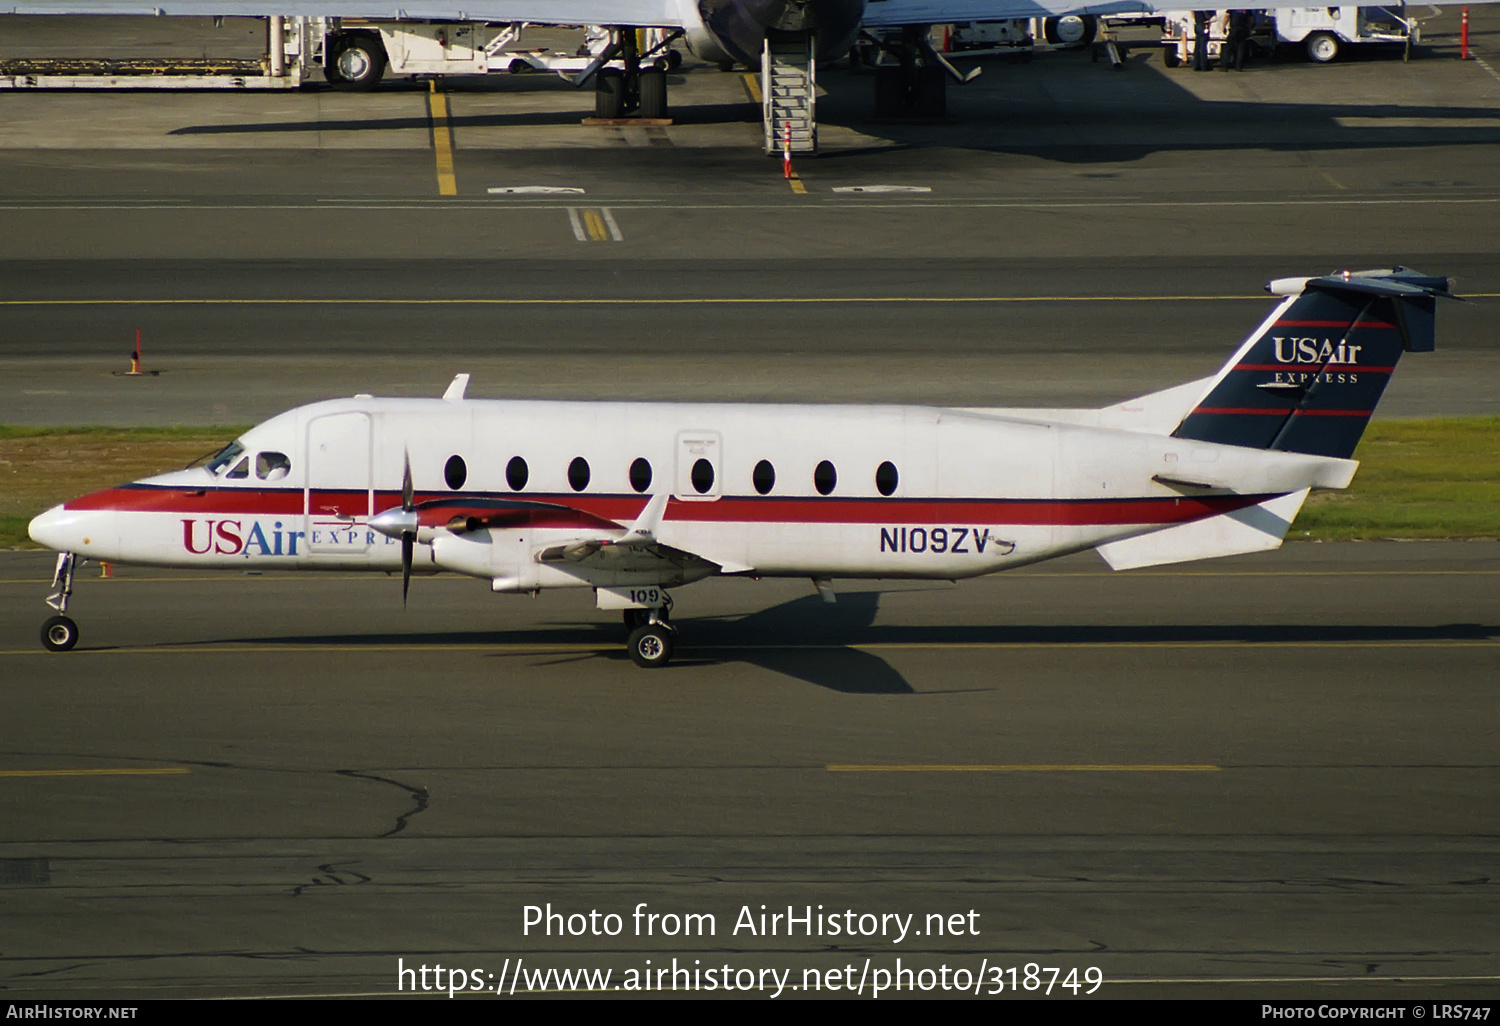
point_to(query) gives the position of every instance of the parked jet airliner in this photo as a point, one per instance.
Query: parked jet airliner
(631, 499)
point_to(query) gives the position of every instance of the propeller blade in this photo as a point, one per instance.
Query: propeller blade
(406, 489)
(407, 541)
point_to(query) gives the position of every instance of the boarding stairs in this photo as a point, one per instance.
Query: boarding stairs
(788, 86)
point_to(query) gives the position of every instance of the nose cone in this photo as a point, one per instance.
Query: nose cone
(87, 532)
(52, 528)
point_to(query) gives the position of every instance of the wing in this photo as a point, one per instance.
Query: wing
(643, 13)
(601, 543)
(891, 13)
(637, 550)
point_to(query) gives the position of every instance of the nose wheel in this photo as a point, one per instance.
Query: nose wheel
(59, 633)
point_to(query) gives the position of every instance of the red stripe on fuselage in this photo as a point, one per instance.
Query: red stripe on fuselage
(1313, 368)
(1235, 410)
(158, 499)
(1333, 324)
(250, 502)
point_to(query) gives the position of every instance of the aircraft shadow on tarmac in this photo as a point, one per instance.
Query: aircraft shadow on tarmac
(1127, 118)
(828, 646)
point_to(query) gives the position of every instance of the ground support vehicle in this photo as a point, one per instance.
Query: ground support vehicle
(1229, 38)
(345, 52)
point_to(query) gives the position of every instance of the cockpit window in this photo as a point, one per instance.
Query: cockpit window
(272, 466)
(241, 469)
(226, 457)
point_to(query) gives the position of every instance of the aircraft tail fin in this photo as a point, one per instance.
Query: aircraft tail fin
(1309, 377)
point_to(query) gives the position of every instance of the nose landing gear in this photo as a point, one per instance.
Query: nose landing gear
(60, 633)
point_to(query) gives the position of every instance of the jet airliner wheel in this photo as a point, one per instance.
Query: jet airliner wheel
(651, 645)
(653, 94)
(609, 93)
(59, 633)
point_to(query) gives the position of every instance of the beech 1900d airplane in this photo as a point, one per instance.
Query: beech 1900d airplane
(632, 499)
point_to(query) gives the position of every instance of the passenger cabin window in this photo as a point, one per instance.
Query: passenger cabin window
(703, 476)
(763, 477)
(578, 474)
(825, 477)
(241, 470)
(455, 473)
(516, 473)
(640, 474)
(886, 478)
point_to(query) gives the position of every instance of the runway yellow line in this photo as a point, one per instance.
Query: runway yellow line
(553, 648)
(638, 301)
(442, 141)
(143, 771)
(1026, 768)
(1332, 180)
(284, 576)
(752, 86)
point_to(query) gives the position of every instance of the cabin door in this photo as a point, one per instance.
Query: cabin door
(339, 496)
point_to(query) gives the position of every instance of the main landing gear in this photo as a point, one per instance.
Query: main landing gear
(651, 635)
(60, 633)
(640, 88)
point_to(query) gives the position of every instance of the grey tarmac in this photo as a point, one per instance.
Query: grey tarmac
(1088, 236)
(1261, 777)
(1267, 776)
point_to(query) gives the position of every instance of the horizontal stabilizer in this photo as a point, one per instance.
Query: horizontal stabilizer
(1252, 529)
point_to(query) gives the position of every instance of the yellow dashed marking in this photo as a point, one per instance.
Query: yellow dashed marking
(442, 141)
(143, 771)
(1025, 768)
(547, 648)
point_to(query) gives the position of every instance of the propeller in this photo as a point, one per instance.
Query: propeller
(401, 523)
(408, 533)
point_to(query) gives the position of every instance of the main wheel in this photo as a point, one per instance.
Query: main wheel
(609, 93)
(1169, 56)
(1322, 47)
(651, 645)
(59, 633)
(653, 94)
(357, 63)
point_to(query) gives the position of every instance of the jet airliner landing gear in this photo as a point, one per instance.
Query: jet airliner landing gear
(60, 633)
(640, 88)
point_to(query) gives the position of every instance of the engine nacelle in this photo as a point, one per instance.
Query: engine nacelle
(495, 556)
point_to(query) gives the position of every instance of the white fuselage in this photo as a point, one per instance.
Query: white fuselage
(973, 491)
